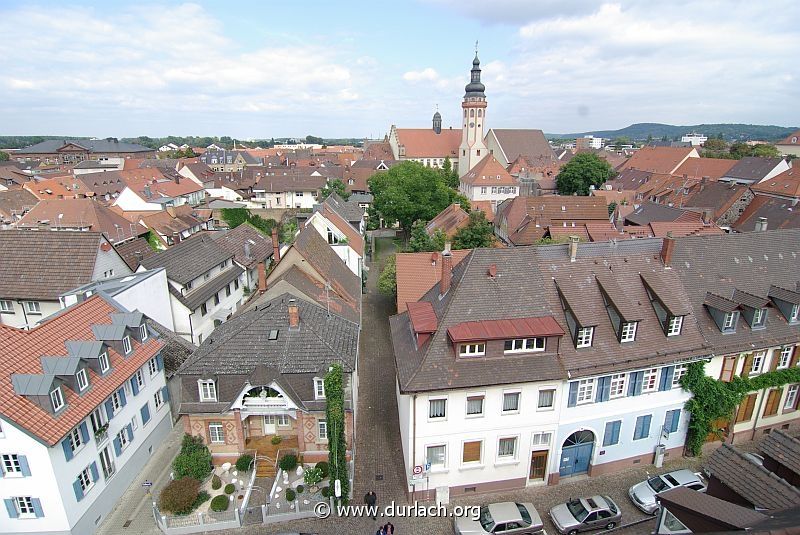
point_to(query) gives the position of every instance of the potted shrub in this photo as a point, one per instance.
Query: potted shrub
(288, 462)
(325, 467)
(179, 495)
(216, 482)
(244, 462)
(275, 440)
(230, 488)
(290, 495)
(300, 489)
(220, 503)
(311, 477)
(326, 492)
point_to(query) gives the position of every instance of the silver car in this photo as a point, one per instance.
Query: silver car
(504, 517)
(643, 494)
(584, 514)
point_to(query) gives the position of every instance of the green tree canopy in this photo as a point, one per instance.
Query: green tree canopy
(449, 174)
(477, 233)
(236, 216)
(334, 186)
(314, 140)
(583, 170)
(387, 282)
(715, 144)
(410, 191)
(421, 241)
(765, 151)
(4, 157)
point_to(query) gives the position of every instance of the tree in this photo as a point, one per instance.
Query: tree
(715, 144)
(288, 231)
(477, 233)
(410, 191)
(422, 241)
(237, 216)
(314, 140)
(611, 207)
(739, 150)
(583, 170)
(334, 186)
(4, 157)
(765, 151)
(449, 174)
(387, 282)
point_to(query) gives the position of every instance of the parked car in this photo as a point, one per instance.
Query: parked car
(584, 514)
(504, 517)
(643, 494)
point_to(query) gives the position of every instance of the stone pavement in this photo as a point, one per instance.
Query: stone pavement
(135, 507)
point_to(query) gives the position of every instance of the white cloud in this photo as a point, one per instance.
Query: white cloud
(427, 74)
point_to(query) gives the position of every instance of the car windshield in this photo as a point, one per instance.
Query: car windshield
(523, 512)
(611, 505)
(657, 484)
(577, 509)
(486, 520)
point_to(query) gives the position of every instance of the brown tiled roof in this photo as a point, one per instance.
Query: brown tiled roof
(485, 207)
(752, 482)
(713, 168)
(719, 196)
(660, 286)
(659, 159)
(419, 272)
(15, 202)
(378, 151)
(628, 180)
(527, 217)
(168, 224)
(234, 242)
(646, 213)
(187, 260)
(10, 173)
(523, 142)
(55, 188)
(354, 239)
(782, 447)
(749, 300)
(786, 184)
(780, 214)
(470, 331)
(786, 295)
(422, 317)
(291, 182)
(316, 251)
(81, 213)
(489, 172)
(562, 233)
(425, 143)
(724, 515)
(720, 303)
(678, 229)
(133, 251)
(791, 139)
(43, 265)
(22, 351)
(721, 264)
(618, 298)
(449, 220)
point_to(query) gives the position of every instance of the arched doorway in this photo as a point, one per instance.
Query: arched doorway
(576, 453)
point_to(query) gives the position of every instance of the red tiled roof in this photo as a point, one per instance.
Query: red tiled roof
(22, 350)
(791, 139)
(786, 184)
(658, 159)
(422, 316)
(449, 220)
(419, 272)
(489, 172)
(505, 329)
(713, 168)
(354, 239)
(679, 229)
(485, 207)
(424, 142)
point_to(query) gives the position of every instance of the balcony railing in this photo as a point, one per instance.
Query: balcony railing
(257, 402)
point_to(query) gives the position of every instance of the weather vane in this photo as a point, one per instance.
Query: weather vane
(476, 47)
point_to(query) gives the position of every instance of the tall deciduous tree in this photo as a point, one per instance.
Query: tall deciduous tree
(387, 282)
(410, 191)
(477, 233)
(4, 157)
(583, 170)
(422, 241)
(450, 175)
(334, 186)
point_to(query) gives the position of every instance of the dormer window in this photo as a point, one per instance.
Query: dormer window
(319, 388)
(103, 359)
(57, 399)
(584, 337)
(628, 332)
(82, 380)
(675, 325)
(759, 317)
(794, 315)
(729, 323)
(524, 345)
(208, 390)
(126, 344)
(472, 350)
(143, 332)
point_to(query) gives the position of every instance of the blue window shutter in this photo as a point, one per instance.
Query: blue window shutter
(160, 362)
(11, 508)
(646, 426)
(122, 400)
(134, 386)
(573, 394)
(672, 419)
(638, 428)
(637, 378)
(117, 446)
(603, 388)
(666, 378)
(93, 470)
(37, 507)
(23, 465)
(76, 486)
(84, 432)
(608, 434)
(130, 432)
(617, 426)
(67, 449)
(145, 413)
(165, 393)
(109, 409)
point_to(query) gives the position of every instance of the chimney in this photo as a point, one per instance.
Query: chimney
(667, 247)
(176, 237)
(262, 278)
(147, 192)
(247, 249)
(708, 214)
(573, 248)
(171, 211)
(276, 247)
(294, 315)
(705, 180)
(138, 256)
(447, 270)
(761, 224)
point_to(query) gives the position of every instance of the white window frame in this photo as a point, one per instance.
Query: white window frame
(628, 333)
(584, 337)
(757, 365)
(33, 307)
(11, 465)
(124, 439)
(617, 385)
(319, 388)
(216, 434)
(85, 478)
(650, 380)
(552, 406)
(784, 357)
(675, 325)
(143, 332)
(82, 380)
(678, 373)
(437, 418)
(107, 463)
(791, 397)
(158, 399)
(507, 456)
(436, 466)
(139, 378)
(729, 321)
(585, 391)
(482, 397)
(6, 306)
(152, 366)
(759, 317)
(523, 345)
(105, 364)
(24, 505)
(794, 314)
(472, 350)
(516, 393)
(126, 344)
(542, 438)
(116, 402)
(57, 399)
(322, 430)
(208, 389)
(75, 439)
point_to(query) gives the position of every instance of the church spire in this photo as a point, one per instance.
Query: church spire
(475, 88)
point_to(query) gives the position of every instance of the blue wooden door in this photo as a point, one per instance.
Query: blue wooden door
(576, 453)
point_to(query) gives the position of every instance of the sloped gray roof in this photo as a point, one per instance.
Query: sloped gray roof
(784, 448)
(350, 211)
(128, 319)
(752, 168)
(85, 349)
(108, 332)
(203, 293)
(176, 349)
(188, 259)
(51, 146)
(27, 384)
(59, 365)
(258, 244)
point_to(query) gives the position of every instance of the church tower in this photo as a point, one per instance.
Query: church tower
(472, 149)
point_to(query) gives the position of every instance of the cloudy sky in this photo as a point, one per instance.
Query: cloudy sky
(264, 69)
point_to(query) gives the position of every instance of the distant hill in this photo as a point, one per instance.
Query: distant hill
(731, 132)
